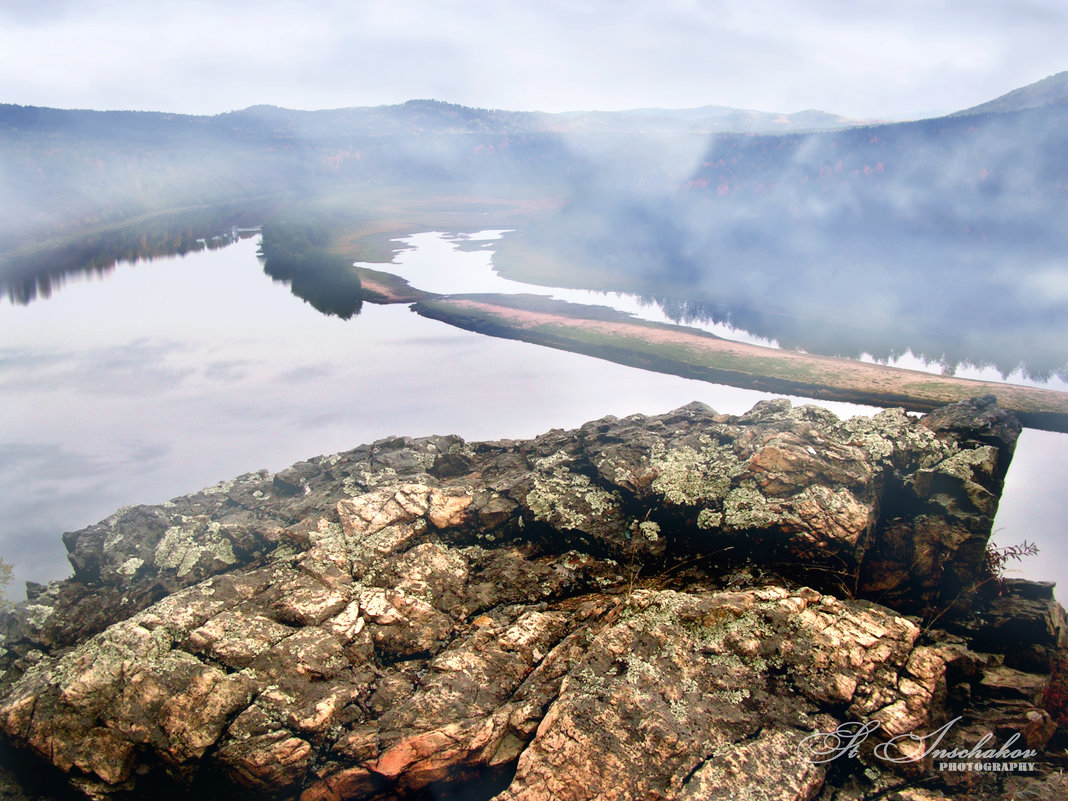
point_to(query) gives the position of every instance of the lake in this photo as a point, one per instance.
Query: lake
(163, 377)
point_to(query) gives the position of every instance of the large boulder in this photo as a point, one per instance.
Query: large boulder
(655, 607)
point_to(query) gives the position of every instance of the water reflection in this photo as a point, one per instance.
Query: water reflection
(882, 291)
(295, 251)
(25, 278)
(945, 351)
(1023, 350)
(444, 263)
(944, 238)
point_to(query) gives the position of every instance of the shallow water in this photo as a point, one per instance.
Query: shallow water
(167, 376)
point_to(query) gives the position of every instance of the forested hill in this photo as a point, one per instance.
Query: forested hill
(65, 170)
(68, 170)
(415, 116)
(1053, 89)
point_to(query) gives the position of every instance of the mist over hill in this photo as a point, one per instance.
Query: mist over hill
(944, 236)
(66, 169)
(1053, 89)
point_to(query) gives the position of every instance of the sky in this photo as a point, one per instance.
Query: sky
(862, 58)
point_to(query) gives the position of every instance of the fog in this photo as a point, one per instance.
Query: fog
(943, 238)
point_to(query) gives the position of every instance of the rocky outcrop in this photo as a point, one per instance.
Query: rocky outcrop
(667, 607)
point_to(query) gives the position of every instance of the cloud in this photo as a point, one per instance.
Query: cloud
(862, 58)
(35, 12)
(227, 370)
(131, 369)
(307, 372)
(1047, 285)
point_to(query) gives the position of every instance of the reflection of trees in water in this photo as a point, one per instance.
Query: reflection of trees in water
(294, 249)
(28, 278)
(293, 253)
(333, 293)
(979, 345)
(845, 286)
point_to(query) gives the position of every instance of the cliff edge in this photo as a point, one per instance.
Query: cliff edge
(688, 606)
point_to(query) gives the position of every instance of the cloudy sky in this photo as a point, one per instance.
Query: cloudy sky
(863, 58)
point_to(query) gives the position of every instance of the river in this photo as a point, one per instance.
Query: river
(166, 376)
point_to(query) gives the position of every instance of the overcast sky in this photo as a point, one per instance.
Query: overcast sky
(862, 58)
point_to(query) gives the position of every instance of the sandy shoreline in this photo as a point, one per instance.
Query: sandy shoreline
(692, 353)
(696, 354)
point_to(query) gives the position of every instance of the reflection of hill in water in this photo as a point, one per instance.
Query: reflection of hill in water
(294, 248)
(26, 278)
(330, 293)
(949, 303)
(945, 237)
(951, 350)
(331, 286)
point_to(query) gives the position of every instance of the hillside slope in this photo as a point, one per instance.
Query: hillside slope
(1053, 89)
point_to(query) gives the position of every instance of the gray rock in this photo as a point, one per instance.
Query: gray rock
(650, 607)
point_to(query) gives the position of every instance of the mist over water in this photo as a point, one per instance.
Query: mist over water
(942, 238)
(448, 264)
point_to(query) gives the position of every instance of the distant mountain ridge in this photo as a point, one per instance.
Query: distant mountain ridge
(1048, 91)
(436, 116)
(419, 116)
(704, 119)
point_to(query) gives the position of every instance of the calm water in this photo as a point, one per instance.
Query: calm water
(167, 376)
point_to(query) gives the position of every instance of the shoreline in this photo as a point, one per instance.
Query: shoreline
(691, 353)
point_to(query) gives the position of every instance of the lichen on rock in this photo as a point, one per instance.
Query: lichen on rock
(648, 607)
(195, 544)
(686, 476)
